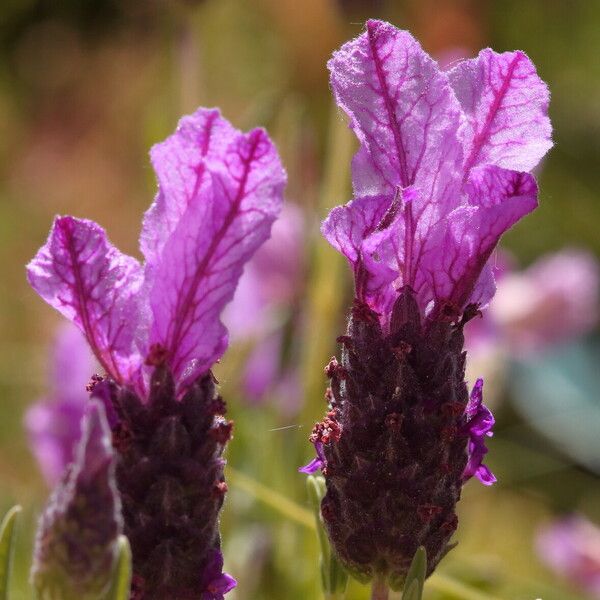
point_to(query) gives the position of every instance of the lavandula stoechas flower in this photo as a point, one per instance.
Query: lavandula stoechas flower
(76, 543)
(156, 331)
(571, 548)
(53, 423)
(441, 173)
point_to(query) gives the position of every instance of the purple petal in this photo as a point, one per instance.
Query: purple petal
(402, 110)
(53, 428)
(456, 252)
(81, 274)
(199, 267)
(182, 164)
(406, 117)
(347, 228)
(215, 583)
(316, 463)
(72, 364)
(484, 475)
(506, 105)
(262, 367)
(480, 422)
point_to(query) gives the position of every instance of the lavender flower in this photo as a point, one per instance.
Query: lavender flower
(76, 544)
(571, 548)
(54, 423)
(440, 174)
(155, 329)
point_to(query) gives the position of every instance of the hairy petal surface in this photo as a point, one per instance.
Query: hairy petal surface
(203, 259)
(354, 230)
(182, 164)
(506, 108)
(402, 110)
(458, 250)
(81, 274)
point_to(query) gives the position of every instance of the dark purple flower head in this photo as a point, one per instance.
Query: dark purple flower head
(76, 543)
(156, 331)
(440, 174)
(442, 169)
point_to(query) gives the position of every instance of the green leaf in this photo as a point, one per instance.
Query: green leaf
(121, 585)
(413, 592)
(415, 578)
(333, 576)
(7, 540)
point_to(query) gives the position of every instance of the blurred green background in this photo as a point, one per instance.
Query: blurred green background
(87, 86)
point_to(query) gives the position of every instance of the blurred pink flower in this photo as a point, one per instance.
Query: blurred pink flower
(262, 305)
(552, 301)
(53, 423)
(271, 279)
(571, 548)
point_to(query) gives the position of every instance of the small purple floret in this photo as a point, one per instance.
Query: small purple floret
(215, 583)
(480, 422)
(316, 463)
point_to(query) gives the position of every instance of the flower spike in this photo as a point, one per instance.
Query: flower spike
(156, 331)
(441, 173)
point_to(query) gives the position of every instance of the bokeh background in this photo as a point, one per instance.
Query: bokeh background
(87, 86)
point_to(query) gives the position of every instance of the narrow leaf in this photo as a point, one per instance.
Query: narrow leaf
(121, 586)
(415, 578)
(7, 539)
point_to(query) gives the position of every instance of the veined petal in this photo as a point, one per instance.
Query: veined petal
(201, 263)
(456, 253)
(81, 274)
(182, 163)
(506, 108)
(402, 110)
(352, 229)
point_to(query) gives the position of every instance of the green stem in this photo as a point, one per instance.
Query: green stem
(380, 590)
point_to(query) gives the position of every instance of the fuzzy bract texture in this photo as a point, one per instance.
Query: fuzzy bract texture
(219, 192)
(76, 543)
(442, 170)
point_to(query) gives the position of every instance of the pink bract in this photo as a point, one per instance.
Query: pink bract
(442, 168)
(219, 192)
